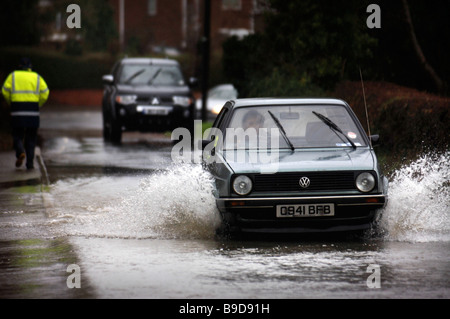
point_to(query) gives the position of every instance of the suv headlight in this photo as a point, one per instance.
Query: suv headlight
(242, 185)
(365, 182)
(182, 100)
(126, 99)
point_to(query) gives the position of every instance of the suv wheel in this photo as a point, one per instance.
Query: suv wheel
(112, 130)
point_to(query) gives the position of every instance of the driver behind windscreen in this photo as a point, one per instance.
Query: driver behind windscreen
(253, 119)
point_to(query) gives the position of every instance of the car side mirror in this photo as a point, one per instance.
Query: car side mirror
(108, 79)
(375, 139)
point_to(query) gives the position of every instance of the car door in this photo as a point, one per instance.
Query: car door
(218, 168)
(108, 87)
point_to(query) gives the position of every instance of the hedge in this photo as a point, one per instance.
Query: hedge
(60, 71)
(408, 121)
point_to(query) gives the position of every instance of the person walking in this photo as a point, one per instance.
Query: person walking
(25, 92)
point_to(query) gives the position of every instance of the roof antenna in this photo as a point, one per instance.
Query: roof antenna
(365, 106)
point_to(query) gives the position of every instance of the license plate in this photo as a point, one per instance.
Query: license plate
(305, 210)
(154, 110)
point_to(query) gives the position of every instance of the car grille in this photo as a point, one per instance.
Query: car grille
(151, 100)
(289, 182)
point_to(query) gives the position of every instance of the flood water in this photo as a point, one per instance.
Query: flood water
(139, 226)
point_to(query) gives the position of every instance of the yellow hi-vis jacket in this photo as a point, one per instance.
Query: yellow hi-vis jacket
(25, 91)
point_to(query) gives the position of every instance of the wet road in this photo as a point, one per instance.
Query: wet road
(128, 223)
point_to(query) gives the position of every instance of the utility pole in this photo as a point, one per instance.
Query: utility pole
(122, 25)
(205, 54)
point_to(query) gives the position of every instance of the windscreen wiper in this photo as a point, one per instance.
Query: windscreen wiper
(150, 82)
(334, 128)
(282, 130)
(134, 75)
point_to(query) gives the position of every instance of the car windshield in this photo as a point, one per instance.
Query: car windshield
(291, 127)
(146, 74)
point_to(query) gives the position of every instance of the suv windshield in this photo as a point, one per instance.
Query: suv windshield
(254, 127)
(146, 74)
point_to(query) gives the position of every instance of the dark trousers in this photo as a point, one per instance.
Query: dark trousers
(24, 139)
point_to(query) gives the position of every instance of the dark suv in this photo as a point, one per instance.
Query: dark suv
(147, 95)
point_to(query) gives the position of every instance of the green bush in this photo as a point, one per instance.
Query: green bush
(408, 121)
(281, 84)
(73, 47)
(60, 71)
(413, 124)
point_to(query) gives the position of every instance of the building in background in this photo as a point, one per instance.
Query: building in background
(150, 26)
(172, 26)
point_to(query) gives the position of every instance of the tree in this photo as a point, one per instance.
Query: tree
(317, 42)
(418, 50)
(98, 24)
(19, 22)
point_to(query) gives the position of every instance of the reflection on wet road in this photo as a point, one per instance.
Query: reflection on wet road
(139, 226)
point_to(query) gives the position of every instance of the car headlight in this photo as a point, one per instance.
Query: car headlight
(217, 108)
(242, 185)
(365, 182)
(126, 99)
(182, 100)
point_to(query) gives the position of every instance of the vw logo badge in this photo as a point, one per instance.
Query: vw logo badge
(304, 182)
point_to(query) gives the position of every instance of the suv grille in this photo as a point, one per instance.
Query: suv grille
(150, 99)
(289, 182)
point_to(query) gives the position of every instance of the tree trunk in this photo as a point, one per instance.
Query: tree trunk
(427, 67)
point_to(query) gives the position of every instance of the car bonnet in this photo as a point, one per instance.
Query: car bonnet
(244, 161)
(148, 89)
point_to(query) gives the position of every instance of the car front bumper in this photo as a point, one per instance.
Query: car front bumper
(351, 212)
(153, 118)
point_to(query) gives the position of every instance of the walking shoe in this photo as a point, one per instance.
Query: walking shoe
(20, 159)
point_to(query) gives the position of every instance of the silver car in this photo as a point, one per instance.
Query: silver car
(293, 166)
(217, 97)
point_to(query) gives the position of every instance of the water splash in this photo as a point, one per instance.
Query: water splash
(176, 203)
(419, 201)
(179, 203)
